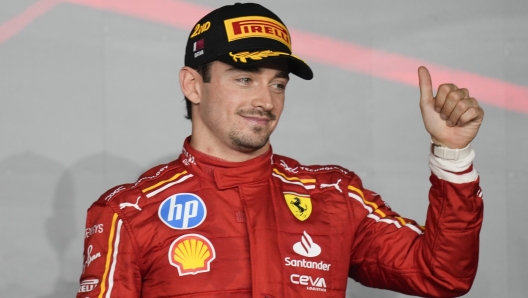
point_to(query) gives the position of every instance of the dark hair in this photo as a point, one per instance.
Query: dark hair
(205, 71)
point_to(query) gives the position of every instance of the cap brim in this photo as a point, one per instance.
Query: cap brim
(299, 68)
(296, 66)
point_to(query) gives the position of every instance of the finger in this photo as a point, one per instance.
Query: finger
(426, 86)
(453, 100)
(462, 107)
(441, 95)
(472, 114)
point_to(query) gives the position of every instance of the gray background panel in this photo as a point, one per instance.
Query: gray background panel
(91, 99)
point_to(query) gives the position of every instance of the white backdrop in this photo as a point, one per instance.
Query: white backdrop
(90, 99)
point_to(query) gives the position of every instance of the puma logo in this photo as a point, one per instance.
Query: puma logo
(123, 205)
(336, 185)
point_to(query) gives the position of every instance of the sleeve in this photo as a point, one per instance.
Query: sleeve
(438, 260)
(110, 266)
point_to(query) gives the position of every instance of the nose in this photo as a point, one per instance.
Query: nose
(263, 99)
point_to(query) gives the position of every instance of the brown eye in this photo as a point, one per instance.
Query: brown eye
(244, 80)
(279, 86)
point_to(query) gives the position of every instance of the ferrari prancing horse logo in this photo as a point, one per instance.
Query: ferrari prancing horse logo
(300, 205)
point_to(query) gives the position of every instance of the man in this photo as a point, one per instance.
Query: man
(229, 218)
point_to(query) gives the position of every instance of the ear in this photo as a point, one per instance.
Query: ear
(191, 84)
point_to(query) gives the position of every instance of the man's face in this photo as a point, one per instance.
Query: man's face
(240, 107)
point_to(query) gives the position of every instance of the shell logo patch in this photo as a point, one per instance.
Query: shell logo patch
(300, 205)
(191, 254)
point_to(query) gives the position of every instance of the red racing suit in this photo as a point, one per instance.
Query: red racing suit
(271, 227)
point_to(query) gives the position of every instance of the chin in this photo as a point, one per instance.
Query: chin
(248, 142)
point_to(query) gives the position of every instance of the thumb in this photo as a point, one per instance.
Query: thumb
(426, 85)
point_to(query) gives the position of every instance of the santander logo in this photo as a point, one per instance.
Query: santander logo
(306, 247)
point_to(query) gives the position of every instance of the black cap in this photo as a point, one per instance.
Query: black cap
(242, 34)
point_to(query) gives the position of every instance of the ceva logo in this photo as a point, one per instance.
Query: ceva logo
(182, 211)
(318, 284)
(306, 247)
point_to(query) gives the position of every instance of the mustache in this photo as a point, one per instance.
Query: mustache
(259, 112)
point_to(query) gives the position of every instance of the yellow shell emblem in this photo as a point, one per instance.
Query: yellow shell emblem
(191, 254)
(300, 205)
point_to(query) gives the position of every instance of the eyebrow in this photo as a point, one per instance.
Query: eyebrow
(254, 69)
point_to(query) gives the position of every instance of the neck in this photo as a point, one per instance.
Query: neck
(215, 148)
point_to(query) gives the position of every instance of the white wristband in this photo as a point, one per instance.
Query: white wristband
(448, 153)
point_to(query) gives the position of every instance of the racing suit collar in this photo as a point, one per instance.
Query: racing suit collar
(224, 173)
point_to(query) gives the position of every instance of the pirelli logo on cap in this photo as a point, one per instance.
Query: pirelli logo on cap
(256, 26)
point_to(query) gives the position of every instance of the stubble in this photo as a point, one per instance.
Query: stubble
(257, 139)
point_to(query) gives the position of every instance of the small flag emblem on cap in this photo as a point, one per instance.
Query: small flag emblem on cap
(198, 45)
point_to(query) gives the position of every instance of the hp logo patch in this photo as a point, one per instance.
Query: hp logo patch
(182, 211)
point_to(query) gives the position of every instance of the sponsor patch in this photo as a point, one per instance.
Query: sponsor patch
(189, 158)
(327, 168)
(88, 285)
(257, 26)
(307, 264)
(135, 206)
(312, 283)
(115, 192)
(299, 205)
(288, 168)
(336, 185)
(182, 211)
(89, 257)
(97, 228)
(307, 247)
(191, 254)
(151, 177)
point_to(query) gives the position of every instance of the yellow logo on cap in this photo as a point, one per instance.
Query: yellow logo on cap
(300, 205)
(258, 55)
(199, 29)
(256, 26)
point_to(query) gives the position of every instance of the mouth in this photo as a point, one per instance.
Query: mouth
(257, 117)
(257, 120)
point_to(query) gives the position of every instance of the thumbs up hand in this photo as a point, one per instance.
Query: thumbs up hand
(452, 118)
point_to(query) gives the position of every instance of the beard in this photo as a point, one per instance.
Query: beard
(258, 139)
(249, 143)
